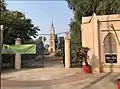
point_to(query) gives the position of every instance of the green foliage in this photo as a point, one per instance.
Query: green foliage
(60, 46)
(15, 22)
(87, 8)
(61, 43)
(80, 55)
(31, 41)
(75, 34)
(39, 40)
(47, 46)
(46, 49)
(56, 42)
(59, 54)
(44, 39)
(2, 6)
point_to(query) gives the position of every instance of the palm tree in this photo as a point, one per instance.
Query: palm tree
(44, 39)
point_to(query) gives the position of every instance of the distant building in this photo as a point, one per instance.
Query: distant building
(52, 39)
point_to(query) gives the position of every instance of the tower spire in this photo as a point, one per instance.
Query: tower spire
(52, 25)
(52, 28)
(52, 39)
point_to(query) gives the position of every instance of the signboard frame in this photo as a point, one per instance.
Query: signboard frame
(110, 58)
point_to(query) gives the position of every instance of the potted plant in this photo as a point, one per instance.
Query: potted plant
(118, 83)
(86, 67)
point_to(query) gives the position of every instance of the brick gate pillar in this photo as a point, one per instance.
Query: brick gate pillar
(18, 56)
(67, 50)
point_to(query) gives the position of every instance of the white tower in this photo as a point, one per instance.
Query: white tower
(52, 39)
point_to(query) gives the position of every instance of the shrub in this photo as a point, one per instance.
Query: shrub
(59, 53)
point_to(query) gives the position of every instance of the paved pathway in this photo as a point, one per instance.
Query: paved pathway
(58, 79)
(40, 74)
(53, 62)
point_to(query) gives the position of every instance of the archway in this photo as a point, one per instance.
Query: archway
(110, 50)
(110, 44)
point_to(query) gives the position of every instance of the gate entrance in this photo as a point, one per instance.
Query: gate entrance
(34, 60)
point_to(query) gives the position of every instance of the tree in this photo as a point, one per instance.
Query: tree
(56, 41)
(61, 43)
(2, 5)
(46, 48)
(87, 8)
(15, 22)
(44, 39)
(40, 45)
(16, 25)
(39, 40)
(75, 35)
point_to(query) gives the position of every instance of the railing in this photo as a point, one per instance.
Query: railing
(76, 59)
(28, 60)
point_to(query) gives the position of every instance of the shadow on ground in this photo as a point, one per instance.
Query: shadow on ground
(13, 70)
(96, 81)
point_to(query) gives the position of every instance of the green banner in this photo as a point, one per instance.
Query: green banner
(21, 49)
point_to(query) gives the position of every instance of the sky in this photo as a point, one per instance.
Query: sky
(43, 13)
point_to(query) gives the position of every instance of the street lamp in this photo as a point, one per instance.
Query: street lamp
(1, 44)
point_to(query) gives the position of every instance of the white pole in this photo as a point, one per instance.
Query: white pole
(1, 43)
